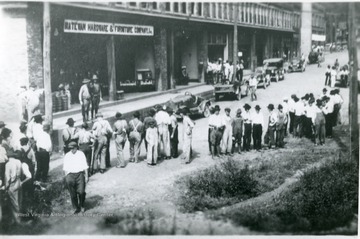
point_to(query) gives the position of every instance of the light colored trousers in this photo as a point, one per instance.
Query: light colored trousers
(164, 139)
(135, 142)
(120, 143)
(101, 151)
(227, 140)
(187, 148)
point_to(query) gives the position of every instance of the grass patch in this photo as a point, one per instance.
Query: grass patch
(323, 199)
(233, 181)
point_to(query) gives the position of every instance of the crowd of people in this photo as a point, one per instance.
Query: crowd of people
(222, 71)
(308, 116)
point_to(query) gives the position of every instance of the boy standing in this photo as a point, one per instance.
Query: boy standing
(152, 140)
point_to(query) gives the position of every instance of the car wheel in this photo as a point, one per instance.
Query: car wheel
(216, 97)
(206, 111)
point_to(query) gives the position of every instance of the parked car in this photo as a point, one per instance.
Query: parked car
(235, 89)
(196, 104)
(262, 77)
(297, 65)
(314, 57)
(275, 68)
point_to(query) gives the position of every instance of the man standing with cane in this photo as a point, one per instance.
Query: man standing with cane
(76, 176)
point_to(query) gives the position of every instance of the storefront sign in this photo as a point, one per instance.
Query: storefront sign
(316, 37)
(73, 26)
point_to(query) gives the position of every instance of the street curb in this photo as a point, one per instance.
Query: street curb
(118, 102)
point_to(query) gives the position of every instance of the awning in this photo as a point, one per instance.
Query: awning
(316, 37)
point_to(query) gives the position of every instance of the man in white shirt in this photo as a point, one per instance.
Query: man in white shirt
(291, 108)
(299, 110)
(76, 176)
(227, 135)
(163, 121)
(85, 99)
(328, 75)
(44, 149)
(273, 118)
(257, 124)
(285, 106)
(310, 115)
(333, 74)
(33, 100)
(253, 86)
(329, 115)
(338, 101)
(247, 127)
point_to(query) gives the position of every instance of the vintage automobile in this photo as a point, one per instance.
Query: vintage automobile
(314, 57)
(262, 78)
(297, 65)
(236, 89)
(197, 105)
(275, 68)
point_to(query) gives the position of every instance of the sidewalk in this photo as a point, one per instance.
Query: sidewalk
(127, 106)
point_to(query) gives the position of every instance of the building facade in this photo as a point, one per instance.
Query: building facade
(116, 39)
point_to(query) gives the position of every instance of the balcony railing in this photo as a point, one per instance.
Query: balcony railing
(252, 14)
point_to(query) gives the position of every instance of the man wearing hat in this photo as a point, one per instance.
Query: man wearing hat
(272, 125)
(85, 141)
(136, 128)
(329, 115)
(85, 98)
(216, 126)
(257, 119)
(120, 132)
(68, 134)
(188, 126)
(253, 86)
(247, 127)
(76, 176)
(173, 131)
(319, 124)
(285, 106)
(299, 110)
(237, 126)
(227, 135)
(163, 121)
(280, 126)
(96, 96)
(101, 130)
(33, 100)
(291, 105)
(152, 139)
(147, 120)
(44, 149)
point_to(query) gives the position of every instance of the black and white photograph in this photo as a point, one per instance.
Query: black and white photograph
(192, 118)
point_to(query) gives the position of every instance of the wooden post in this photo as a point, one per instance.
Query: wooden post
(235, 48)
(353, 111)
(110, 51)
(46, 62)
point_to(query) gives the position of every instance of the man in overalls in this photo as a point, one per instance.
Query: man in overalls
(136, 128)
(101, 130)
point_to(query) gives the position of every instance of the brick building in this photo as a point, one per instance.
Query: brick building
(115, 39)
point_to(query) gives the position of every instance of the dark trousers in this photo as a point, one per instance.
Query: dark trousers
(307, 124)
(107, 158)
(209, 141)
(328, 124)
(174, 143)
(247, 137)
(271, 130)
(2, 172)
(95, 101)
(237, 140)
(43, 160)
(86, 149)
(85, 109)
(280, 133)
(291, 123)
(257, 133)
(298, 126)
(319, 133)
(75, 183)
(327, 78)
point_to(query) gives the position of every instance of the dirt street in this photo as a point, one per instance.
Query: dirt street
(137, 185)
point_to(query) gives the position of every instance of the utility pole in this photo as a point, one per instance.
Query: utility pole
(235, 48)
(353, 106)
(46, 62)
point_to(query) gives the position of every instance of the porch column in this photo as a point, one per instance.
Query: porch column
(110, 52)
(202, 46)
(170, 59)
(253, 51)
(306, 28)
(161, 59)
